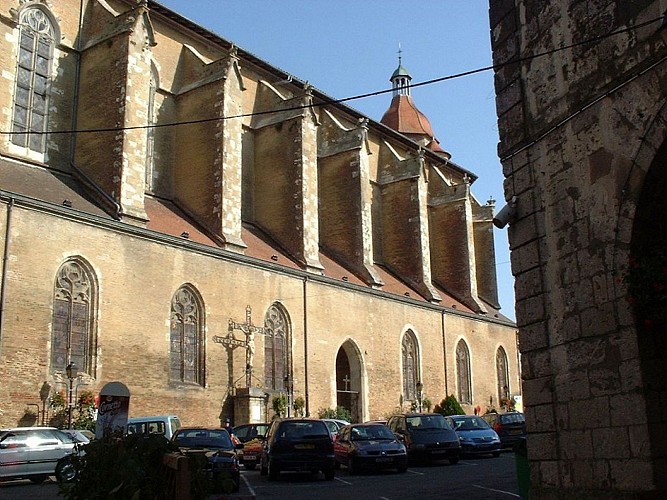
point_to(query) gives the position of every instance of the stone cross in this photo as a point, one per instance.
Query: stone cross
(231, 342)
(347, 381)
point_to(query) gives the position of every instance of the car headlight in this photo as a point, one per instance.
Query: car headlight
(465, 439)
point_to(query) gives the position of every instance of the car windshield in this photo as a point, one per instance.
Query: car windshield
(371, 432)
(469, 423)
(512, 418)
(203, 438)
(247, 432)
(303, 430)
(427, 422)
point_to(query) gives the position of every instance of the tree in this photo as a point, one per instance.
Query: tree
(449, 406)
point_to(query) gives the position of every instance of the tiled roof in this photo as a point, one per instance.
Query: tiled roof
(167, 218)
(404, 117)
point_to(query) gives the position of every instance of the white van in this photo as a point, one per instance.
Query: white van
(159, 424)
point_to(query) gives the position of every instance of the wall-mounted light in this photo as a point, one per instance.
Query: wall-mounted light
(506, 214)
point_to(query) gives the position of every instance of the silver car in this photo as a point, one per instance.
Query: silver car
(35, 453)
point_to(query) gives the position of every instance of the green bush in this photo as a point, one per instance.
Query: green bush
(121, 467)
(340, 413)
(449, 406)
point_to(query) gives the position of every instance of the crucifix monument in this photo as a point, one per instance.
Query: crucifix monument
(231, 342)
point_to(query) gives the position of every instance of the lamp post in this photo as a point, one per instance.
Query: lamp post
(289, 386)
(72, 370)
(420, 388)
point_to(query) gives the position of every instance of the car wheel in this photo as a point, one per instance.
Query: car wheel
(263, 470)
(352, 467)
(454, 460)
(329, 474)
(65, 471)
(273, 471)
(38, 479)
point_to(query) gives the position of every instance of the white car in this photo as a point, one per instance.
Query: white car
(35, 453)
(334, 425)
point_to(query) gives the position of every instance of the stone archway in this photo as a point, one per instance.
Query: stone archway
(646, 279)
(349, 380)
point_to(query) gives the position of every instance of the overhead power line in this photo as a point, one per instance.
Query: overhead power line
(329, 101)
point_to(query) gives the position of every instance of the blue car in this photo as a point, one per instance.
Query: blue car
(476, 435)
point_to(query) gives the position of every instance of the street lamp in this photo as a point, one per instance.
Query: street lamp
(420, 388)
(72, 370)
(289, 386)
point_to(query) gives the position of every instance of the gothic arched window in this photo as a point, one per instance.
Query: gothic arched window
(150, 132)
(502, 374)
(186, 338)
(463, 372)
(33, 74)
(73, 322)
(410, 366)
(277, 348)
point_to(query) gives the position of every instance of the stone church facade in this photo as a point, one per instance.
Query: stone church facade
(581, 110)
(182, 217)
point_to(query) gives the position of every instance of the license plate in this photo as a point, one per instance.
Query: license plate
(515, 431)
(249, 456)
(439, 451)
(383, 459)
(304, 446)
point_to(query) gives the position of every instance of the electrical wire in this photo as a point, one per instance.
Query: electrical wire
(329, 101)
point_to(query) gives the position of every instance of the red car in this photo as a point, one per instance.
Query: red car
(252, 437)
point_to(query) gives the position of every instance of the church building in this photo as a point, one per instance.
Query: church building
(178, 215)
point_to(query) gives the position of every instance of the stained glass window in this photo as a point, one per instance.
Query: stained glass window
(502, 374)
(410, 366)
(73, 338)
(277, 352)
(186, 338)
(463, 372)
(36, 44)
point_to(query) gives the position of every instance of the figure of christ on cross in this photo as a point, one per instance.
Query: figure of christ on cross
(231, 342)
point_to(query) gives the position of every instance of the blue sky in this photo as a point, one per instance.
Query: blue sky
(350, 47)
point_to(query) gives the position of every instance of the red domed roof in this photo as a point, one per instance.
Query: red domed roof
(404, 117)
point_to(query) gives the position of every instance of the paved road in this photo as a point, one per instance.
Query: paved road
(470, 479)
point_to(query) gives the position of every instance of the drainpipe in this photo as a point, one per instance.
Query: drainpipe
(5, 261)
(305, 344)
(444, 352)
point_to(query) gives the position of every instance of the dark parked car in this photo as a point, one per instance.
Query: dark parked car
(426, 436)
(370, 447)
(298, 445)
(475, 434)
(222, 464)
(510, 426)
(36, 453)
(252, 437)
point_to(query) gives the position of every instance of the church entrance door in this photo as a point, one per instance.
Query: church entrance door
(348, 380)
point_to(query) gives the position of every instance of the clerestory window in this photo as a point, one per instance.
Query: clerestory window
(31, 94)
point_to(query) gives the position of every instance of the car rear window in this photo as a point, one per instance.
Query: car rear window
(512, 418)
(303, 430)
